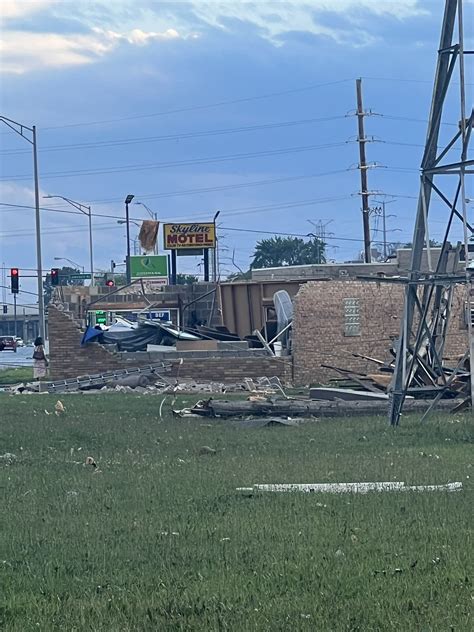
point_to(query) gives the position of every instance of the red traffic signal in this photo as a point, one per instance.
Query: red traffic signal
(14, 280)
(54, 276)
(109, 283)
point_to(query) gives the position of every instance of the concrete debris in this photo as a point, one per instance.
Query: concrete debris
(205, 449)
(59, 408)
(153, 384)
(351, 488)
(8, 458)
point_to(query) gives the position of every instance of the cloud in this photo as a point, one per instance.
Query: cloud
(24, 51)
(25, 48)
(277, 18)
(137, 36)
(11, 9)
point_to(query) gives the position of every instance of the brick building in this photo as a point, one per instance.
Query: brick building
(68, 359)
(334, 319)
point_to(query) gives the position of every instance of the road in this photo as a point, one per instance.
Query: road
(22, 357)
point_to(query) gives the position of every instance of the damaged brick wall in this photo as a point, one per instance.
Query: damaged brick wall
(333, 320)
(68, 359)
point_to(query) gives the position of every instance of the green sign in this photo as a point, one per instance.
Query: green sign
(76, 277)
(149, 267)
(101, 318)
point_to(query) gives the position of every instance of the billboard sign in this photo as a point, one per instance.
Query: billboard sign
(149, 267)
(189, 236)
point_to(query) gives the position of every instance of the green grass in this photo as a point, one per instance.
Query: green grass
(160, 539)
(15, 376)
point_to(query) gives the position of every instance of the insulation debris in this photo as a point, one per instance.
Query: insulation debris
(351, 488)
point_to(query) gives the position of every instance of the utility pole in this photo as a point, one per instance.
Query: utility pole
(361, 139)
(20, 129)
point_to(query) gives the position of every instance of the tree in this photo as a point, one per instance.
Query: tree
(186, 279)
(240, 276)
(288, 251)
(64, 279)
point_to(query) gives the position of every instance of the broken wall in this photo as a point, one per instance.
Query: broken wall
(68, 359)
(334, 319)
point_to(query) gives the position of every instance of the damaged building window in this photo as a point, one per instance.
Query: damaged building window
(352, 317)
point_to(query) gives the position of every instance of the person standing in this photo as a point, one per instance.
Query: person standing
(40, 362)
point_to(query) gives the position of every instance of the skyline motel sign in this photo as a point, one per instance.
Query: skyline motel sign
(189, 235)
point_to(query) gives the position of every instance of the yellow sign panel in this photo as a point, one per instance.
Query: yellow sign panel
(182, 236)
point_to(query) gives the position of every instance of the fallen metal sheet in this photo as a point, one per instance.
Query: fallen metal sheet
(351, 488)
(263, 422)
(346, 394)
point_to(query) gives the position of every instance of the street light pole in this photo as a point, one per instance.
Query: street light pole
(76, 265)
(215, 275)
(128, 199)
(19, 129)
(87, 212)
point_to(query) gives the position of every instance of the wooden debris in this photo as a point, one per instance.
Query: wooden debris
(303, 408)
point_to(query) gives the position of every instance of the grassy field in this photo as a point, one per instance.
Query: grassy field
(159, 539)
(15, 376)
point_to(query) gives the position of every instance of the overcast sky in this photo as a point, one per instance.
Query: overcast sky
(194, 107)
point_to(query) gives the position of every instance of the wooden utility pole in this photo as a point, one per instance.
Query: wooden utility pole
(361, 139)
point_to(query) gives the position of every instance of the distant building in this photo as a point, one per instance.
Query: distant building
(396, 266)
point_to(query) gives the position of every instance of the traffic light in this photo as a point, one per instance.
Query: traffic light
(14, 280)
(109, 282)
(54, 276)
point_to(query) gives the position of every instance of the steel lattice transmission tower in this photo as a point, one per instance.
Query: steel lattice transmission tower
(428, 295)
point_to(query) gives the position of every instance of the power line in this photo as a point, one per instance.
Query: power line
(180, 136)
(68, 212)
(410, 119)
(54, 231)
(163, 165)
(20, 290)
(225, 187)
(272, 232)
(407, 80)
(247, 209)
(193, 108)
(202, 134)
